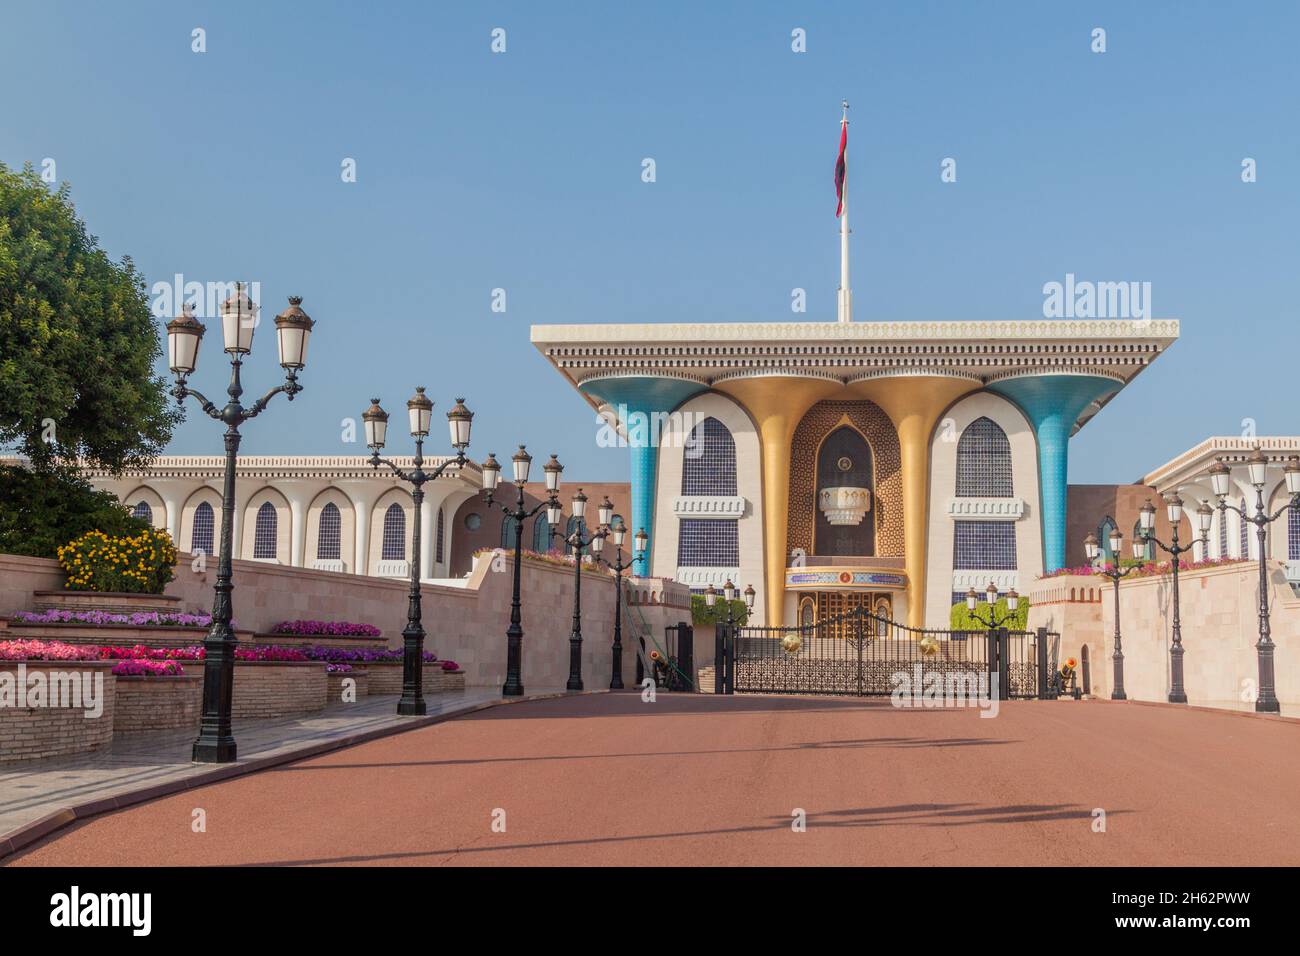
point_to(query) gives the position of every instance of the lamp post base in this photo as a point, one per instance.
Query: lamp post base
(512, 690)
(1272, 706)
(1177, 698)
(215, 750)
(1119, 695)
(411, 708)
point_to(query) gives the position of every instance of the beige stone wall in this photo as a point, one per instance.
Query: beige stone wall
(1219, 629)
(1070, 606)
(465, 624)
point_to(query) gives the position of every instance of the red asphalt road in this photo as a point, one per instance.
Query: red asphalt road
(698, 779)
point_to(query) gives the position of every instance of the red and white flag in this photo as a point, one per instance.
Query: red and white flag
(839, 170)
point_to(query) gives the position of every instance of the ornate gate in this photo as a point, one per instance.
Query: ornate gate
(860, 653)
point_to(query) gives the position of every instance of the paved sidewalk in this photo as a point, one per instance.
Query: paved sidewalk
(142, 766)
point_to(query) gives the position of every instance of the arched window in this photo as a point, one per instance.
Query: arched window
(983, 461)
(329, 537)
(1293, 535)
(1149, 554)
(1103, 537)
(575, 526)
(266, 532)
(439, 536)
(204, 527)
(394, 546)
(541, 534)
(984, 546)
(508, 531)
(709, 460)
(1223, 533)
(1245, 533)
(142, 510)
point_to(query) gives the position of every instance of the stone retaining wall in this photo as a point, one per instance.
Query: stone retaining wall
(157, 703)
(274, 688)
(335, 691)
(30, 733)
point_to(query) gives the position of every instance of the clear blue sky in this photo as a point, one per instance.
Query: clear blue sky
(522, 171)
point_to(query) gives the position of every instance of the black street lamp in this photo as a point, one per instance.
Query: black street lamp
(729, 592)
(1257, 468)
(459, 419)
(520, 462)
(1114, 572)
(216, 742)
(596, 540)
(991, 596)
(617, 534)
(1147, 525)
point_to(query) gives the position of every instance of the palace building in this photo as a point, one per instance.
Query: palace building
(835, 465)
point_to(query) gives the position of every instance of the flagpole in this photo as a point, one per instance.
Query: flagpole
(846, 293)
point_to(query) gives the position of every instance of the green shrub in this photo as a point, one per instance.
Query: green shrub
(701, 613)
(42, 510)
(960, 619)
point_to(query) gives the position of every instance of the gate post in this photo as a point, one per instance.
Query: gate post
(719, 658)
(686, 655)
(991, 640)
(1041, 646)
(859, 636)
(729, 658)
(1004, 664)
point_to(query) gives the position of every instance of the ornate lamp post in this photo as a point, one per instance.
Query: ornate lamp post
(520, 462)
(420, 410)
(991, 595)
(596, 540)
(1147, 514)
(617, 534)
(1257, 468)
(729, 592)
(1093, 550)
(216, 742)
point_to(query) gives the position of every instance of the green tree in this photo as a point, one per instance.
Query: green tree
(77, 340)
(41, 511)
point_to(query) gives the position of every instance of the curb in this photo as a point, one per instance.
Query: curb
(29, 833)
(1203, 709)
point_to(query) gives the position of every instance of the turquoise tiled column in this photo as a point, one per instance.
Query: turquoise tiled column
(642, 395)
(1053, 403)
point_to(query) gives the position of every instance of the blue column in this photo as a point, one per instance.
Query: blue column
(1053, 403)
(641, 397)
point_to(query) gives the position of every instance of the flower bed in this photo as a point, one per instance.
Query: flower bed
(24, 650)
(101, 618)
(140, 564)
(1147, 569)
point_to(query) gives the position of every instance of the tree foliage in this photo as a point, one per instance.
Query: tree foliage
(42, 511)
(77, 340)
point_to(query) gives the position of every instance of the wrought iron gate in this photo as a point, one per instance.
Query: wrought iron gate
(860, 654)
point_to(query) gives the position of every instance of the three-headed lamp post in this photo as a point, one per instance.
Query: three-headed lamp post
(216, 741)
(1266, 701)
(521, 462)
(420, 413)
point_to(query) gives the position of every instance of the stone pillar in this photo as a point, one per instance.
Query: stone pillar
(1053, 403)
(172, 499)
(428, 521)
(362, 503)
